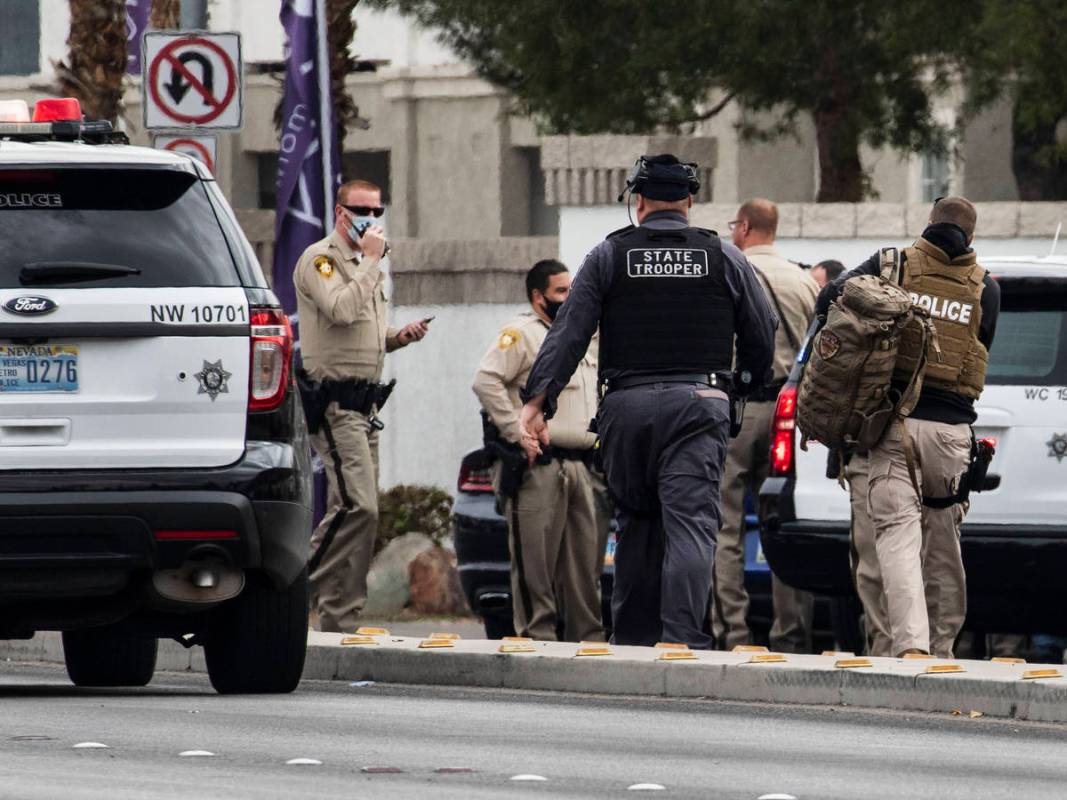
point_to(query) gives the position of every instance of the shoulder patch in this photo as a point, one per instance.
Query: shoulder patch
(324, 266)
(509, 337)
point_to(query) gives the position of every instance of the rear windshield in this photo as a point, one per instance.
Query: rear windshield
(1030, 346)
(158, 221)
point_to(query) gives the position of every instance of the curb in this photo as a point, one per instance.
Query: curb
(994, 689)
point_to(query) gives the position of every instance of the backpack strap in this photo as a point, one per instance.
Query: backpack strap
(794, 342)
(889, 265)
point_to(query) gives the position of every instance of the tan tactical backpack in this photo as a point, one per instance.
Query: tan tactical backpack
(845, 400)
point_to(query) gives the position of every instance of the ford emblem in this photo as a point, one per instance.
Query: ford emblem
(29, 305)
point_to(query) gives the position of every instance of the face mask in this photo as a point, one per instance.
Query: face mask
(552, 308)
(357, 225)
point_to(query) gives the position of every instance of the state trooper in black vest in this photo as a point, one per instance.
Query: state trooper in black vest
(671, 302)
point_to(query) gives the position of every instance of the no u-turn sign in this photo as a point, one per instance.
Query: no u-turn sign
(192, 80)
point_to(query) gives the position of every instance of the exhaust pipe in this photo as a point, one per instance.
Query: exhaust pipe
(198, 582)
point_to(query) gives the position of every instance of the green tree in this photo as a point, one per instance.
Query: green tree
(1021, 52)
(866, 70)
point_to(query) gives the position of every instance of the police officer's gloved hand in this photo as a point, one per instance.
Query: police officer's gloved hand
(744, 383)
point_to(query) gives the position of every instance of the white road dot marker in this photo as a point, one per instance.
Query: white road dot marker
(194, 753)
(528, 778)
(90, 746)
(646, 787)
(302, 762)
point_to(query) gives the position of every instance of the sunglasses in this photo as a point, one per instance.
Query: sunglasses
(364, 211)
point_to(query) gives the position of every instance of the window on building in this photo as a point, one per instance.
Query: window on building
(525, 212)
(936, 176)
(20, 37)
(368, 165)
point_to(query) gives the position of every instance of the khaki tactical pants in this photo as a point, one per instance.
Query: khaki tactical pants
(343, 543)
(917, 545)
(866, 574)
(558, 531)
(747, 466)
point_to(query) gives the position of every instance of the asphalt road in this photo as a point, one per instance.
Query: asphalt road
(582, 746)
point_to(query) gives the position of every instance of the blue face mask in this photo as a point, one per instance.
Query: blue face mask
(358, 225)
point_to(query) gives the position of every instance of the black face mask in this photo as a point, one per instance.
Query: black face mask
(552, 308)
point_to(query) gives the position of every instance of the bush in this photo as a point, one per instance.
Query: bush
(403, 509)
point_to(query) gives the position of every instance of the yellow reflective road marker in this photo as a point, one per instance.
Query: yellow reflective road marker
(941, 669)
(918, 656)
(517, 648)
(1006, 660)
(1034, 674)
(365, 631)
(598, 650)
(839, 653)
(852, 663)
(671, 646)
(427, 644)
(749, 648)
(677, 655)
(359, 640)
(767, 658)
(516, 639)
(448, 636)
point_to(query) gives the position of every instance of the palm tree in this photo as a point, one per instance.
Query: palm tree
(340, 30)
(95, 69)
(166, 14)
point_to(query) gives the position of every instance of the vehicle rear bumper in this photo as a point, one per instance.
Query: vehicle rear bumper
(82, 533)
(1014, 572)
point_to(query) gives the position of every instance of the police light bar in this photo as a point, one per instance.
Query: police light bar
(57, 109)
(14, 111)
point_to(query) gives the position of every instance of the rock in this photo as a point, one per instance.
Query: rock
(434, 583)
(387, 581)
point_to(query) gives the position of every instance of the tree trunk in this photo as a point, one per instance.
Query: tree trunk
(340, 30)
(1038, 160)
(166, 14)
(841, 178)
(95, 69)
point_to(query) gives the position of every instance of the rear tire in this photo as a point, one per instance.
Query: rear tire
(105, 657)
(497, 626)
(256, 643)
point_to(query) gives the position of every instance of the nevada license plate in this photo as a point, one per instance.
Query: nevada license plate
(38, 368)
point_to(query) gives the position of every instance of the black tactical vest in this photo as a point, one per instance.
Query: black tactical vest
(668, 309)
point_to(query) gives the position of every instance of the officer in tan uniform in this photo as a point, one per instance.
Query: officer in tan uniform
(920, 459)
(792, 292)
(558, 517)
(344, 337)
(866, 575)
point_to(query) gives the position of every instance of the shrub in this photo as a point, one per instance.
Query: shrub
(403, 509)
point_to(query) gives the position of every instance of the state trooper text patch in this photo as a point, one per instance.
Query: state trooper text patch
(667, 263)
(324, 266)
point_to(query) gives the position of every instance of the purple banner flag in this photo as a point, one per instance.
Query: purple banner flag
(303, 215)
(137, 14)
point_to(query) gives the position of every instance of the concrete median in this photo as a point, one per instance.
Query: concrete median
(1013, 690)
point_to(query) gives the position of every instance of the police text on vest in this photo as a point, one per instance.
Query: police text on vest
(952, 310)
(667, 263)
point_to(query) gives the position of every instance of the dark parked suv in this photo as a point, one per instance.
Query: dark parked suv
(154, 468)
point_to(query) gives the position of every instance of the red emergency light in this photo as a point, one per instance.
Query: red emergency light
(58, 109)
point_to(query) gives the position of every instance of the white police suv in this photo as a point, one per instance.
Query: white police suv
(154, 472)
(1014, 538)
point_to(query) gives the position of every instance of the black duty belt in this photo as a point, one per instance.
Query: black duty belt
(552, 453)
(766, 394)
(712, 379)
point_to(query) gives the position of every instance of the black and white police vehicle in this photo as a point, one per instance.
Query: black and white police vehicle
(154, 467)
(1014, 538)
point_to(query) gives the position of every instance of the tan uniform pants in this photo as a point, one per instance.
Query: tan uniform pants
(917, 545)
(866, 574)
(343, 543)
(558, 528)
(746, 468)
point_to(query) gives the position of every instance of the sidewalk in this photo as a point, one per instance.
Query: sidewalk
(994, 689)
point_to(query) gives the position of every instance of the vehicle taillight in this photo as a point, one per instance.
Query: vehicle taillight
(784, 432)
(57, 109)
(272, 348)
(474, 478)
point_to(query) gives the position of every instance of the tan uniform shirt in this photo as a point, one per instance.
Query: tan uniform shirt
(342, 311)
(503, 373)
(795, 291)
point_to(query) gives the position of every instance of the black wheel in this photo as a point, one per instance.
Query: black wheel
(846, 616)
(105, 657)
(497, 626)
(256, 642)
